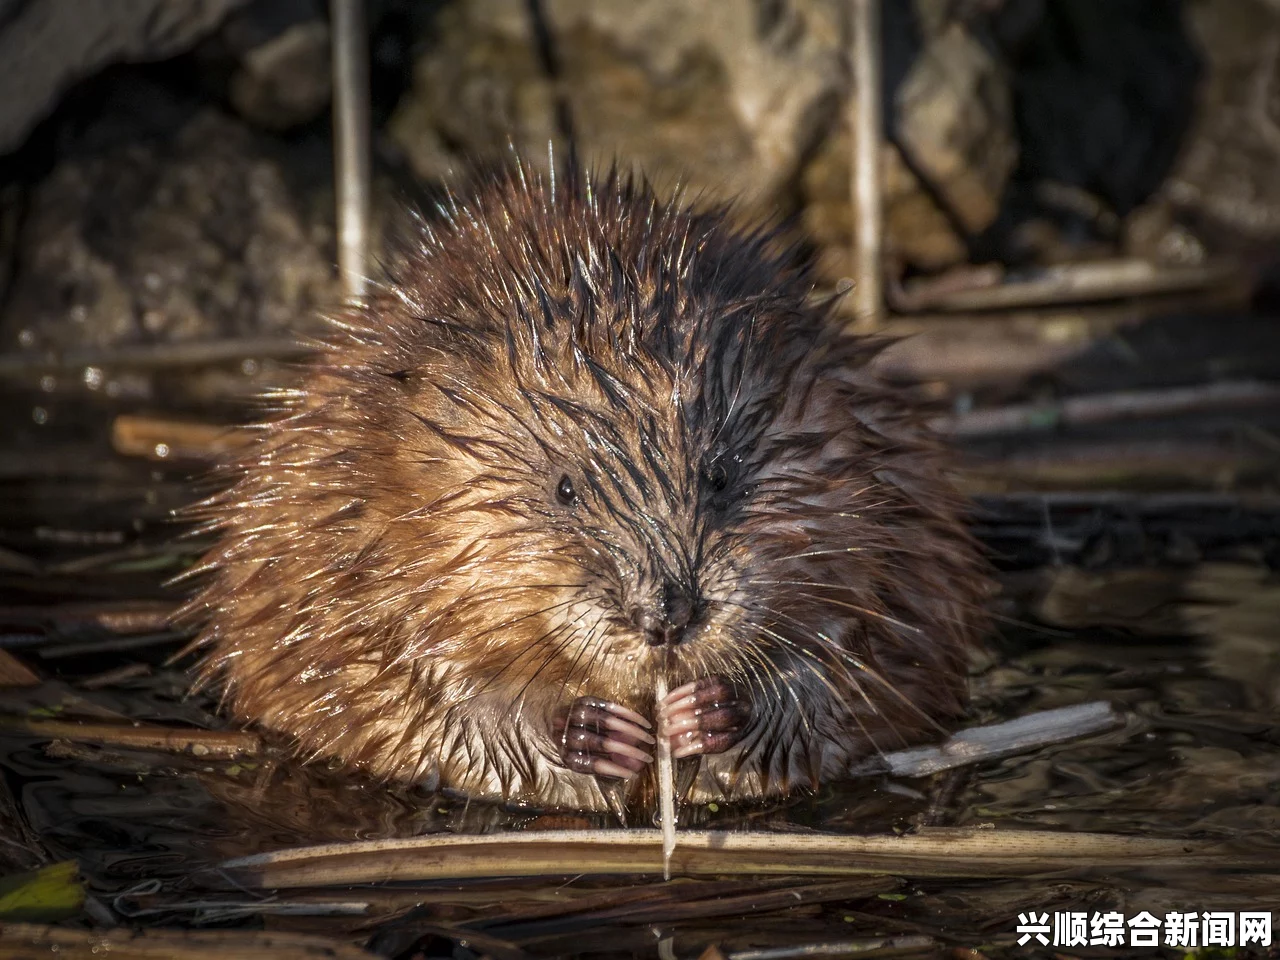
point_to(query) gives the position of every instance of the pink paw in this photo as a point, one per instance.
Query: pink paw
(705, 716)
(602, 738)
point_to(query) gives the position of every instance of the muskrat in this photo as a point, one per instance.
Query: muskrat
(581, 437)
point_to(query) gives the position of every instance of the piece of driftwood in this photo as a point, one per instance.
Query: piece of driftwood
(11, 561)
(136, 556)
(1098, 408)
(1209, 464)
(931, 852)
(996, 740)
(153, 356)
(1112, 338)
(209, 744)
(117, 616)
(223, 910)
(1132, 502)
(158, 438)
(26, 941)
(109, 678)
(1064, 283)
(866, 104)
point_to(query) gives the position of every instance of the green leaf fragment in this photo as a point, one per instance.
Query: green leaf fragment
(46, 895)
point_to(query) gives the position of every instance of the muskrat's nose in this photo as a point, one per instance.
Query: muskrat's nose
(666, 625)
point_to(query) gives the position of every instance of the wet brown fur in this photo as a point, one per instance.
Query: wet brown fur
(396, 584)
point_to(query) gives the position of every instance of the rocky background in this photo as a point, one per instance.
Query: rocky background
(166, 172)
(168, 186)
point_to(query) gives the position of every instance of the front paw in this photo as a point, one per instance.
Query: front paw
(602, 738)
(705, 716)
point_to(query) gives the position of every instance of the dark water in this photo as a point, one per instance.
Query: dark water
(1198, 757)
(1193, 761)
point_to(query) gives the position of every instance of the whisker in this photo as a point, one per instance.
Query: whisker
(533, 646)
(564, 683)
(518, 699)
(875, 710)
(857, 662)
(866, 611)
(769, 668)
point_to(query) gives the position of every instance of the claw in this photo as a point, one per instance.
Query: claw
(603, 739)
(703, 717)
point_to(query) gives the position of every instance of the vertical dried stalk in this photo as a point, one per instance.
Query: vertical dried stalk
(666, 780)
(868, 295)
(351, 152)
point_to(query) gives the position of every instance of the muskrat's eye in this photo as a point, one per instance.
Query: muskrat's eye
(717, 476)
(565, 492)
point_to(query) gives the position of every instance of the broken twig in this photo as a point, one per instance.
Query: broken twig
(995, 740)
(117, 616)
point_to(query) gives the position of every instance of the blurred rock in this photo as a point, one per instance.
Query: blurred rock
(1153, 232)
(286, 81)
(48, 45)
(725, 97)
(740, 98)
(917, 232)
(1226, 171)
(187, 233)
(932, 17)
(954, 120)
